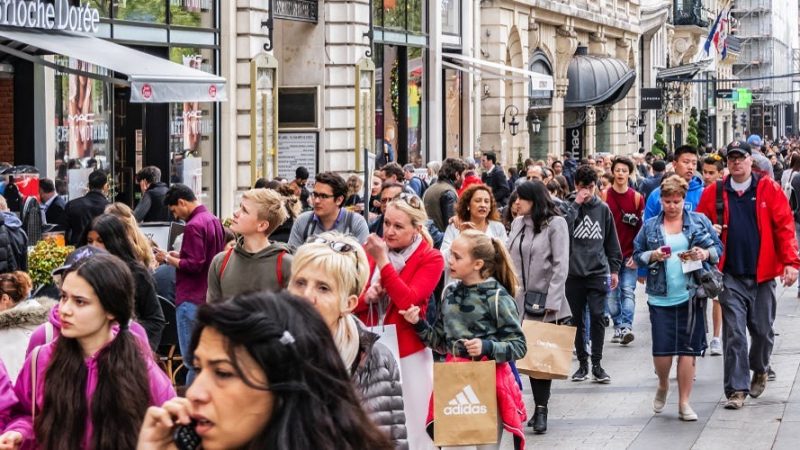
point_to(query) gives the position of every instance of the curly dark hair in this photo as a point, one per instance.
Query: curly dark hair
(462, 207)
(337, 184)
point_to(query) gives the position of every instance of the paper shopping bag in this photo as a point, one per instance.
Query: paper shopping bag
(387, 335)
(549, 355)
(464, 403)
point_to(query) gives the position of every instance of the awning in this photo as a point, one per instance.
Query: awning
(683, 72)
(597, 80)
(151, 79)
(538, 81)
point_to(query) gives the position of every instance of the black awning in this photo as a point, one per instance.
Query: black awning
(597, 80)
(681, 73)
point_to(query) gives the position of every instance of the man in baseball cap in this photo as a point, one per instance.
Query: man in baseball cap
(740, 147)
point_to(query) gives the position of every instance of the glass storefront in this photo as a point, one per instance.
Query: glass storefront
(186, 13)
(452, 113)
(416, 100)
(451, 17)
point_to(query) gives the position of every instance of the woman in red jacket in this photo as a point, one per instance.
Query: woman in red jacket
(405, 269)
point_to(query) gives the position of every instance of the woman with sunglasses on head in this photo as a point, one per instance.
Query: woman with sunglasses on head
(331, 271)
(404, 271)
(476, 210)
(107, 232)
(269, 377)
(91, 387)
(254, 263)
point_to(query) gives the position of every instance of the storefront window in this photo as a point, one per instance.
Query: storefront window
(192, 13)
(452, 113)
(82, 126)
(394, 14)
(416, 16)
(192, 137)
(451, 17)
(150, 11)
(416, 91)
(102, 6)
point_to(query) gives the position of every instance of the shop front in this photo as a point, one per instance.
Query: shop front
(114, 87)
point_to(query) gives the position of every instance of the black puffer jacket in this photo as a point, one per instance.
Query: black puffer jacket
(377, 379)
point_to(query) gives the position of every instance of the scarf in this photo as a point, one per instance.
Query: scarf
(398, 261)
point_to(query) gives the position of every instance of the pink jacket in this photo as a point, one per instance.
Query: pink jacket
(39, 336)
(160, 391)
(7, 397)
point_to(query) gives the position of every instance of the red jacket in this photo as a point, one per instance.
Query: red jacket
(775, 227)
(413, 286)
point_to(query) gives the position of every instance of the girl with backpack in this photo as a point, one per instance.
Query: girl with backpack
(479, 320)
(91, 387)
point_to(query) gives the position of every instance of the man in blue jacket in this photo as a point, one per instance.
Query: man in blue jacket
(684, 165)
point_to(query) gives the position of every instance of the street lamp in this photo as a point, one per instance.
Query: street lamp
(513, 124)
(635, 126)
(534, 124)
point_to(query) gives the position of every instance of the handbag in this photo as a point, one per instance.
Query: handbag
(709, 281)
(535, 302)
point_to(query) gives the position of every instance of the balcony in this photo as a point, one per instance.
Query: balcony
(689, 13)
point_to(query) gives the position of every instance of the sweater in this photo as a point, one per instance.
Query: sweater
(594, 251)
(412, 286)
(307, 225)
(8, 399)
(248, 272)
(203, 238)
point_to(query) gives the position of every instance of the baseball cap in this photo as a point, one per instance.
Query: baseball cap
(79, 255)
(755, 139)
(739, 147)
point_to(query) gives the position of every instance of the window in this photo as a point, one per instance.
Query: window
(192, 13)
(452, 113)
(416, 105)
(150, 11)
(451, 17)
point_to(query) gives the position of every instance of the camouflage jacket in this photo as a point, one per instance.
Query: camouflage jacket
(484, 311)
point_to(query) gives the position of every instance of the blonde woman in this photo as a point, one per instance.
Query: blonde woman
(144, 251)
(405, 269)
(331, 272)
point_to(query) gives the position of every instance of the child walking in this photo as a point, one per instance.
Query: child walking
(479, 320)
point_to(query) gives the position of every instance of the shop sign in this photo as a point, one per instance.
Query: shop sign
(574, 141)
(652, 98)
(301, 10)
(58, 15)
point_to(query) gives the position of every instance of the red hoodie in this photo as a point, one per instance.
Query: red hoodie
(469, 180)
(775, 227)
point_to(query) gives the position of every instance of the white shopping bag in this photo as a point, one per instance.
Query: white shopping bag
(387, 335)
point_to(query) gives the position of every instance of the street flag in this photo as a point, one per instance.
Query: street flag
(712, 34)
(722, 35)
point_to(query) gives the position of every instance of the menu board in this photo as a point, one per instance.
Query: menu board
(297, 149)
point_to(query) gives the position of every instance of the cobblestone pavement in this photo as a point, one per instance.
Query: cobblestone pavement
(619, 415)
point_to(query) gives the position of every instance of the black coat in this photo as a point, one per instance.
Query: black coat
(56, 212)
(80, 213)
(152, 207)
(496, 179)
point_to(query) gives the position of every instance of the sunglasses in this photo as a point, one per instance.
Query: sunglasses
(337, 246)
(411, 199)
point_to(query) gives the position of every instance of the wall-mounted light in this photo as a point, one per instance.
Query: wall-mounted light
(513, 124)
(365, 109)
(534, 124)
(263, 116)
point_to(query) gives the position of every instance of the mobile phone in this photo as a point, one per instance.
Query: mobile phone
(185, 437)
(667, 250)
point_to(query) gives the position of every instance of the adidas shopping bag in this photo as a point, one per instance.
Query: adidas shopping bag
(465, 403)
(549, 355)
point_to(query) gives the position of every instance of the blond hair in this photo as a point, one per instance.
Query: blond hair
(348, 272)
(269, 206)
(144, 251)
(405, 203)
(496, 260)
(674, 184)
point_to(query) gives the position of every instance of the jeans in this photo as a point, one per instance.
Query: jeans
(591, 292)
(621, 301)
(185, 315)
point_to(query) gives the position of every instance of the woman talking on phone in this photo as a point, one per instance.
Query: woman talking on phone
(268, 377)
(91, 387)
(671, 245)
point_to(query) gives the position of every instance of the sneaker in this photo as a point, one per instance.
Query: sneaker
(735, 401)
(686, 413)
(606, 321)
(758, 384)
(617, 336)
(626, 336)
(599, 375)
(770, 374)
(582, 373)
(715, 348)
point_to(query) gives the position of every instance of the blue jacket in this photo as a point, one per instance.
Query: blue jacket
(653, 206)
(698, 231)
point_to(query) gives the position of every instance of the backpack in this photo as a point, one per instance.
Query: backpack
(423, 186)
(278, 266)
(791, 193)
(348, 225)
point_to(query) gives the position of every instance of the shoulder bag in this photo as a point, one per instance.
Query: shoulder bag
(535, 301)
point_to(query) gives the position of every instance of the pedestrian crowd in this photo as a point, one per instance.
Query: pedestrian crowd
(321, 314)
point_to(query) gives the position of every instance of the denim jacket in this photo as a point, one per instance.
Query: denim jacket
(698, 231)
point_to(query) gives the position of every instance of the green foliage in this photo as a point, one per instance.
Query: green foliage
(660, 145)
(46, 257)
(702, 128)
(691, 133)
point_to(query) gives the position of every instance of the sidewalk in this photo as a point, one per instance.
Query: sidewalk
(619, 415)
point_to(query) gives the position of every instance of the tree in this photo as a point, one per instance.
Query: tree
(660, 145)
(691, 133)
(702, 128)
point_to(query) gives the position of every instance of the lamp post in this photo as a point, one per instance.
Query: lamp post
(635, 125)
(534, 124)
(513, 124)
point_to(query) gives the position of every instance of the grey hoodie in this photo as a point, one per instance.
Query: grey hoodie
(594, 248)
(248, 272)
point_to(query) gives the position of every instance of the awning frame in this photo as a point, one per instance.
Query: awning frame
(62, 68)
(477, 70)
(541, 81)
